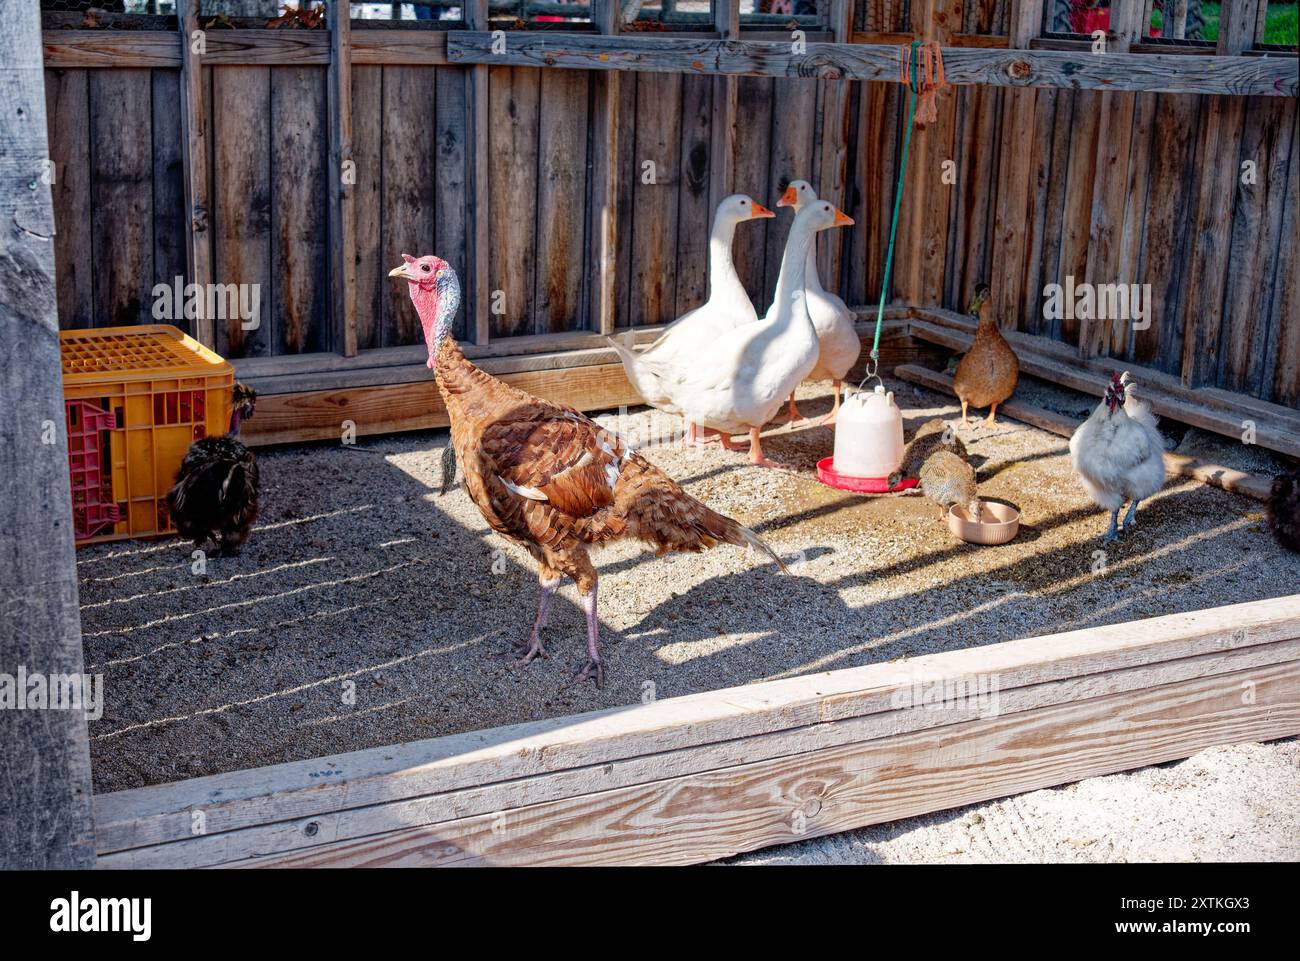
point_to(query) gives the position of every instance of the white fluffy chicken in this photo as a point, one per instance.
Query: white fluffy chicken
(1118, 454)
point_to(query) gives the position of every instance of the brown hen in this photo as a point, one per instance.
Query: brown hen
(988, 373)
(548, 477)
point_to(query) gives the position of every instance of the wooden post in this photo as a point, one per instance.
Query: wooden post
(604, 187)
(1238, 22)
(1026, 21)
(343, 239)
(45, 819)
(722, 159)
(478, 296)
(833, 167)
(194, 146)
(1125, 24)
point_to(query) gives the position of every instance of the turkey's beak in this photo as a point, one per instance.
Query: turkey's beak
(400, 272)
(842, 219)
(789, 198)
(761, 211)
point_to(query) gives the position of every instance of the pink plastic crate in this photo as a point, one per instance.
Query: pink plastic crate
(93, 508)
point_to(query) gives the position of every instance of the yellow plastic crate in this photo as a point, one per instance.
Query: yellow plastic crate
(136, 398)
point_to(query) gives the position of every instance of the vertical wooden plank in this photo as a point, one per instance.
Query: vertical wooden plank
(371, 258)
(300, 215)
(1256, 241)
(724, 108)
(626, 176)
(694, 215)
(1080, 175)
(1010, 236)
(342, 180)
(1212, 235)
(654, 236)
(793, 145)
(453, 226)
(513, 94)
(1109, 198)
(121, 139)
(1128, 271)
(561, 195)
(602, 205)
(45, 816)
(1042, 146)
(409, 182)
(878, 149)
(923, 223)
(832, 163)
(170, 234)
(478, 290)
(751, 154)
(241, 208)
(1026, 21)
(195, 152)
(1284, 317)
(1061, 132)
(67, 98)
(1238, 22)
(1167, 234)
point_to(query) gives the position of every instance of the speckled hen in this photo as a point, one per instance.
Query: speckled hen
(548, 477)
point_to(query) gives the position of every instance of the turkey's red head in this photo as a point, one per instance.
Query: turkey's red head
(435, 291)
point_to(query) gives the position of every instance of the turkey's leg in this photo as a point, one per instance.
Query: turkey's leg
(533, 648)
(1112, 533)
(594, 667)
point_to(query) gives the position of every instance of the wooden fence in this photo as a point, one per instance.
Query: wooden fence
(1017, 185)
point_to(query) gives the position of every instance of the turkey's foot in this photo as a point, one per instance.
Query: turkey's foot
(594, 667)
(525, 652)
(528, 651)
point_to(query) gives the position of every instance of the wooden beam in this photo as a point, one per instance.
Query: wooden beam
(827, 751)
(1176, 465)
(45, 819)
(342, 173)
(1274, 432)
(194, 147)
(1272, 76)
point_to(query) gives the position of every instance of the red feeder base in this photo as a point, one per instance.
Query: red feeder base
(829, 476)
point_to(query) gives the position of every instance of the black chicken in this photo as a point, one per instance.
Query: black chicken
(215, 496)
(1284, 509)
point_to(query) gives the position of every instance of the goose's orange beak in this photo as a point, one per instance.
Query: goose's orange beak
(789, 198)
(761, 211)
(842, 219)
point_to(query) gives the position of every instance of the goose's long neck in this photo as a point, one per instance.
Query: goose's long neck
(811, 281)
(790, 290)
(724, 282)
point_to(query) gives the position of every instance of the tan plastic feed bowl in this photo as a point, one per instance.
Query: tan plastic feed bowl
(999, 524)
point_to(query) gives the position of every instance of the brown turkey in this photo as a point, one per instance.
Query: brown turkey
(548, 477)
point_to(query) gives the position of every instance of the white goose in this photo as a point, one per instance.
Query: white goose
(838, 342)
(728, 307)
(744, 376)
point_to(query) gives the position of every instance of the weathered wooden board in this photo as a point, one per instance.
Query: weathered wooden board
(656, 179)
(513, 139)
(1166, 685)
(562, 131)
(372, 259)
(694, 212)
(121, 190)
(45, 816)
(751, 161)
(1015, 68)
(451, 169)
(242, 185)
(300, 261)
(409, 191)
(67, 104)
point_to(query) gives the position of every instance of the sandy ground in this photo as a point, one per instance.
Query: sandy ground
(361, 578)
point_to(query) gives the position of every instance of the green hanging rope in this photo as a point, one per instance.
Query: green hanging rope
(914, 84)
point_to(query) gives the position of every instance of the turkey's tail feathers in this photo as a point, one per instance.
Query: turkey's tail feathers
(753, 540)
